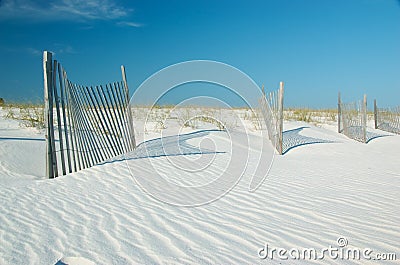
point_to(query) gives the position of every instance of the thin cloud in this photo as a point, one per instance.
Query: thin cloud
(129, 24)
(25, 50)
(81, 10)
(33, 51)
(66, 49)
(55, 48)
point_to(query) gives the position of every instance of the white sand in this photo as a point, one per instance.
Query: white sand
(314, 194)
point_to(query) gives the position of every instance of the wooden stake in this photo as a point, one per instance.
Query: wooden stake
(70, 122)
(101, 137)
(339, 113)
(128, 106)
(76, 132)
(102, 120)
(108, 123)
(375, 114)
(365, 118)
(63, 107)
(124, 129)
(83, 125)
(120, 92)
(59, 121)
(110, 119)
(280, 119)
(117, 115)
(87, 126)
(47, 63)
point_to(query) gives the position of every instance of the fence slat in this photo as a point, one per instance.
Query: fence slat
(101, 119)
(47, 57)
(280, 114)
(83, 124)
(119, 127)
(128, 106)
(109, 120)
(117, 104)
(271, 106)
(375, 115)
(86, 125)
(387, 119)
(59, 121)
(76, 133)
(339, 114)
(94, 123)
(101, 141)
(364, 116)
(64, 111)
(352, 119)
(125, 109)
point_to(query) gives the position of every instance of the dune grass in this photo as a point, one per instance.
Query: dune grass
(32, 115)
(314, 116)
(28, 114)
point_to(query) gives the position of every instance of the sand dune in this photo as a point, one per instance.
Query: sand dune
(326, 186)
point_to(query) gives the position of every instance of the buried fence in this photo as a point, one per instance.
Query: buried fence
(352, 119)
(85, 125)
(387, 119)
(271, 106)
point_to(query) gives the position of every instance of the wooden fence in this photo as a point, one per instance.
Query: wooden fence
(85, 125)
(352, 119)
(387, 119)
(271, 106)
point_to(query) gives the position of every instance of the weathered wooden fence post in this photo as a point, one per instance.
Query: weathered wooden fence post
(375, 114)
(364, 113)
(59, 121)
(128, 106)
(280, 118)
(61, 79)
(48, 112)
(339, 113)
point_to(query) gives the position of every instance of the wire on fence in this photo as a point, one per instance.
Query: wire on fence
(271, 106)
(387, 119)
(85, 125)
(352, 119)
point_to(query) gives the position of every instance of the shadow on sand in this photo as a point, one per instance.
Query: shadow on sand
(371, 136)
(21, 139)
(175, 145)
(293, 139)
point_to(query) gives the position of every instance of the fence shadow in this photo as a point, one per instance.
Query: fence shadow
(293, 139)
(22, 139)
(175, 145)
(371, 136)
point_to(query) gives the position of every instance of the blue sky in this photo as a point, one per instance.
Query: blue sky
(317, 47)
